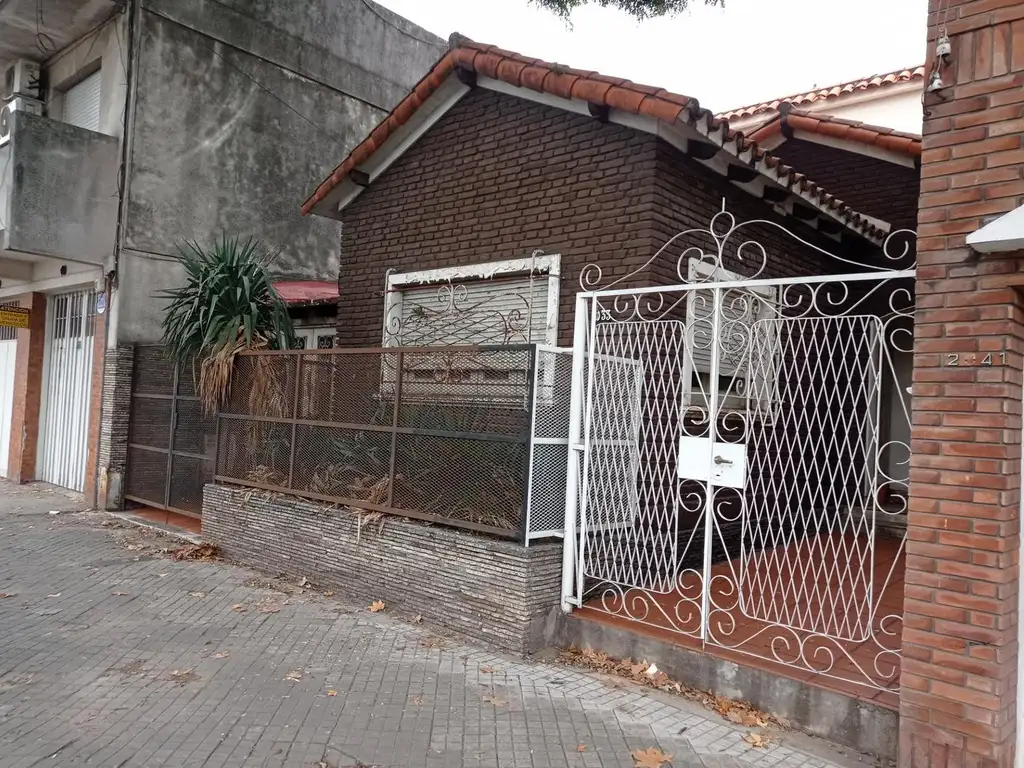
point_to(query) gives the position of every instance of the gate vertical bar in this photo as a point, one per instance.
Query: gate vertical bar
(392, 460)
(709, 501)
(588, 414)
(295, 416)
(170, 438)
(532, 371)
(572, 480)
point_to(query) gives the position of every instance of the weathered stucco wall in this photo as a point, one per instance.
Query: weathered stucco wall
(62, 198)
(213, 151)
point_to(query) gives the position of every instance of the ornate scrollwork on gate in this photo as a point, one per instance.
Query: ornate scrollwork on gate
(803, 379)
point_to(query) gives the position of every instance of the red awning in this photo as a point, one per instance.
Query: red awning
(299, 292)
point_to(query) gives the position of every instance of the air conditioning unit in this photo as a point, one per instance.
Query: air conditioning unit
(18, 104)
(22, 78)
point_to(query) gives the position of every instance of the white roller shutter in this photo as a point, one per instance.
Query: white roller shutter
(82, 103)
(495, 311)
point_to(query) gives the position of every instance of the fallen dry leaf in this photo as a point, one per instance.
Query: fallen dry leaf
(268, 608)
(8, 594)
(304, 582)
(332, 693)
(650, 758)
(581, 747)
(488, 670)
(295, 675)
(433, 642)
(417, 619)
(119, 594)
(734, 716)
(239, 607)
(328, 593)
(757, 739)
(417, 699)
(197, 594)
(195, 552)
(377, 606)
(221, 655)
(496, 701)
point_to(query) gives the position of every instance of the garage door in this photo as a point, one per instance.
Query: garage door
(64, 427)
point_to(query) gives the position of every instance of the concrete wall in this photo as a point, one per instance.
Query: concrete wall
(492, 591)
(62, 190)
(213, 151)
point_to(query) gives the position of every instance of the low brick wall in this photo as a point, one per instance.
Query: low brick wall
(497, 592)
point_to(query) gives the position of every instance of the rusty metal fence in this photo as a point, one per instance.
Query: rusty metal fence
(170, 438)
(442, 434)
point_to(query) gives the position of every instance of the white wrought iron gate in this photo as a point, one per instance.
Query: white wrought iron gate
(64, 421)
(740, 455)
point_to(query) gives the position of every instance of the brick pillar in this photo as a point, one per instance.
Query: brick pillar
(958, 686)
(99, 347)
(113, 454)
(28, 390)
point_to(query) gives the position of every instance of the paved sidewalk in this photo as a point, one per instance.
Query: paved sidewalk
(114, 655)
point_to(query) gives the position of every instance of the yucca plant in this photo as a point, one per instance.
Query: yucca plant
(226, 305)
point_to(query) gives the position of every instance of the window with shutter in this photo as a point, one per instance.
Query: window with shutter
(82, 103)
(746, 343)
(501, 303)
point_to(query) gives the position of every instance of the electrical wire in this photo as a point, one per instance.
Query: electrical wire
(44, 42)
(392, 24)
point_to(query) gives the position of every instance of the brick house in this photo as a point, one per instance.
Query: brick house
(501, 175)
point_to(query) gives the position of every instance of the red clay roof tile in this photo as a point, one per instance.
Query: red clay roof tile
(840, 128)
(829, 92)
(614, 92)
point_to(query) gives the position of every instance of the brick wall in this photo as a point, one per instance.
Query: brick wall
(113, 440)
(495, 592)
(499, 176)
(884, 190)
(958, 696)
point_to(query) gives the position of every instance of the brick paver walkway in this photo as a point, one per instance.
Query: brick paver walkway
(114, 655)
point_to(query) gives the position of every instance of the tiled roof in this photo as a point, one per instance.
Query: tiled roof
(595, 88)
(831, 92)
(299, 292)
(839, 128)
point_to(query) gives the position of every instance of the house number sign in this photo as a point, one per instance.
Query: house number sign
(991, 358)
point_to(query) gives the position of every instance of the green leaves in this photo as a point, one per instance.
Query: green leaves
(640, 9)
(228, 297)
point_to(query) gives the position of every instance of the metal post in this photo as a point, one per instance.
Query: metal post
(572, 480)
(295, 416)
(170, 437)
(709, 505)
(399, 365)
(532, 372)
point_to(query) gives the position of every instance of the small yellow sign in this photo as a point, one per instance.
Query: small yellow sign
(13, 317)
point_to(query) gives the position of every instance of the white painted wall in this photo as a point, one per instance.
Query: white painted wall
(901, 111)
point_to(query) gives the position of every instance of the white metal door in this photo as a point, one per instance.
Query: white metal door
(8, 352)
(733, 489)
(64, 421)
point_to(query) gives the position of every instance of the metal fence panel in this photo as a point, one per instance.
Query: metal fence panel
(434, 433)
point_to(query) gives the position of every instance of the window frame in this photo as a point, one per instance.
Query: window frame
(701, 271)
(548, 265)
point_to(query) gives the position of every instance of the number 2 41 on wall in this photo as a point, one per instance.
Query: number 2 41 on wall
(954, 359)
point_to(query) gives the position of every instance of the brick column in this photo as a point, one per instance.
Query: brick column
(99, 348)
(113, 453)
(28, 390)
(958, 686)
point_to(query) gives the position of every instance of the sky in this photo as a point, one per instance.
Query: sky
(750, 51)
